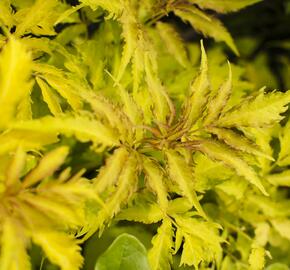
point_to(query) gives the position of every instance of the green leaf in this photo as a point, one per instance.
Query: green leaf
(224, 6)
(126, 252)
(160, 255)
(206, 24)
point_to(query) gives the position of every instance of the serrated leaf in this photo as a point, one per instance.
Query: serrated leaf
(280, 179)
(257, 258)
(126, 252)
(206, 24)
(224, 6)
(259, 111)
(284, 157)
(124, 189)
(15, 168)
(160, 255)
(49, 97)
(173, 42)
(217, 104)
(13, 247)
(221, 153)
(60, 248)
(201, 240)
(15, 70)
(161, 101)
(155, 179)
(111, 6)
(38, 18)
(199, 90)
(109, 173)
(28, 141)
(84, 128)
(47, 166)
(182, 175)
(192, 251)
(238, 142)
(142, 212)
(130, 34)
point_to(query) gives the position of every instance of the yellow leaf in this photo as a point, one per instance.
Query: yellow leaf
(49, 97)
(13, 247)
(160, 255)
(199, 90)
(182, 175)
(60, 248)
(47, 166)
(221, 153)
(206, 24)
(257, 258)
(15, 70)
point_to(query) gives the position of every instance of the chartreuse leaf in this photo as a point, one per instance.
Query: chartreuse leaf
(282, 226)
(108, 111)
(121, 194)
(199, 91)
(224, 6)
(201, 240)
(13, 246)
(258, 111)
(280, 179)
(155, 179)
(238, 142)
(84, 128)
(48, 164)
(42, 212)
(160, 255)
(182, 175)
(109, 173)
(12, 139)
(49, 97)
(173, 42)
(161, 102)
(257, 258)
(130, 34)
(15, 70)
(6, 15)
(112, 6)
(284, 157)
(126, 252)
(142, 211)
(206, 24)
(38, 18)
(217, 151)
(60, 248)
(217, 103)
(15, 168)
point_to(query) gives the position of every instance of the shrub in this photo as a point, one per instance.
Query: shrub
(109, 120)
